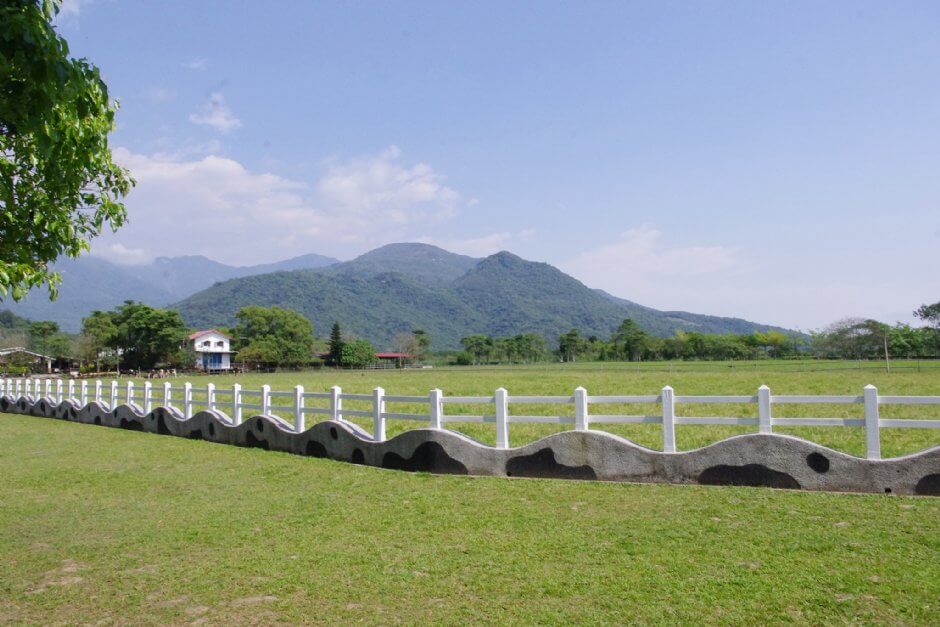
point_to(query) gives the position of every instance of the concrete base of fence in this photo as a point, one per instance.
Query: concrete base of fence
(760, 460)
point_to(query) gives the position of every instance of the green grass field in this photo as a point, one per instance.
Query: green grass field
(620, 378)
(103, 525)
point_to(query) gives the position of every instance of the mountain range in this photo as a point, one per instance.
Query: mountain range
(90, 283)
(400, 287)
(395, 288)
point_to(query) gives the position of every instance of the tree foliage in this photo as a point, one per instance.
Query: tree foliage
(146, 336)
(274, 336)
(59, 186)
(336, 344)
(930, 314)
(357, 353)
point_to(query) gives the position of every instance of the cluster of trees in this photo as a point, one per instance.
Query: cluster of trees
(134, 336)
(846, 339)
(42, 336)
(271, 336)
(349, 352)
(629, 343)
(855, 338)
(483, 349)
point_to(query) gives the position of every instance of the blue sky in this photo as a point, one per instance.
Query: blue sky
(776, 161)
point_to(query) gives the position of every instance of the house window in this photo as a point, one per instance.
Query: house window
(207, 343)
(220, 344)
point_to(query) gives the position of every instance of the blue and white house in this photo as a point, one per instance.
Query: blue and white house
(212, 349)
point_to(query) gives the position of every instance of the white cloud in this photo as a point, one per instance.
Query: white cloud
(381, 184)
(119, 253)
(640, 267)
(640, 252)
(216, 113)
(196, 65)
(480, 246)
(214, 206)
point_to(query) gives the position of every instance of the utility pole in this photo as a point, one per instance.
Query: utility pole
(887, 363)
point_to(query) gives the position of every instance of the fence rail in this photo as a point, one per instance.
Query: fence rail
(233, 402)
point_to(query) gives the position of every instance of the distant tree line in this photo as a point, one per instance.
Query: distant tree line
(846, 339)
(135, 336)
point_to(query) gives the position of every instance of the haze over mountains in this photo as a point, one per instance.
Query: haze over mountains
(395, 288)
(90, 283)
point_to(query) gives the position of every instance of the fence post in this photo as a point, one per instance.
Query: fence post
(299, 425)
(47, 389)
(71, 389)
(98, 390)
(436, 404)
(336, 403)
(29, 388)
(114, 395)
(187, 400)
(84, 388)
(872, 428)
(58, 391)
(501, 400)
(129, 393)
(764, 410)
(236, 404)
(210, 396)
(265, 399)
(669, 419)
(581, 416)
(167, 394)
(378, 415)
(148, 397)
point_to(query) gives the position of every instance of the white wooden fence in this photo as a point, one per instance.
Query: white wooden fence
(231, 403)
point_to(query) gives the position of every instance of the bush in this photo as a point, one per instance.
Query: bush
(463, 359)
(357, 354)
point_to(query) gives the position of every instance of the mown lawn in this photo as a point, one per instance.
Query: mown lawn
(628, 379)
(105, 525)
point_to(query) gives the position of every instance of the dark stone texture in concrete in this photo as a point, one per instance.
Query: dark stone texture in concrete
(252, 442)
(818, 462)
(751, 475)
(427, 457)
(928, 486)
(542, 463)
(315, 449)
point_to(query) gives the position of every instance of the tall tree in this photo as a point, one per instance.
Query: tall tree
(59, 186)
(273, 335)
(930, 314)
(336, 344)
(97, 332)
(40, 333)
(145, 335)
(571, 345)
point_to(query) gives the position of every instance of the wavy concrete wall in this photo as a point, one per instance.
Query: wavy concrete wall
(774, 461)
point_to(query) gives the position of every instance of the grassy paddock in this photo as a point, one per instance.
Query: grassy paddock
(105, 525)
(613, 379)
